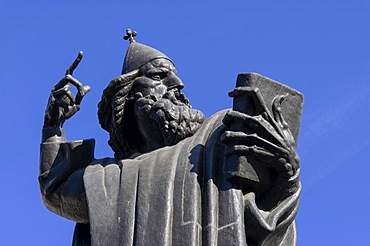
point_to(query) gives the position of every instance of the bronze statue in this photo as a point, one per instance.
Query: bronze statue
(176, 177)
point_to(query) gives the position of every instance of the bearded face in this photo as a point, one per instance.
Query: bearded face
(162, 112)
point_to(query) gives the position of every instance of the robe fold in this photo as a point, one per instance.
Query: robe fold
(176, 195)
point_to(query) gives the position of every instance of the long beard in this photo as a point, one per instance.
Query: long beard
(171, 114)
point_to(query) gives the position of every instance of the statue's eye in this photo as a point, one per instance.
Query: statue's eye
(159, 76)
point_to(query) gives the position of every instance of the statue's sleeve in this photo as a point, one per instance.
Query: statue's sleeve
(62, 166)
(270, 219)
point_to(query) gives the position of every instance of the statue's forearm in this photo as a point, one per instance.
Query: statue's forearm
(51, 139)
(262, 223)
(53, 134)
(280, 190)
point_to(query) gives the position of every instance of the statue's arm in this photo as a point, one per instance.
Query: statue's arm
(271, 192)
(62, 163)
(62, 166)
(275, 223)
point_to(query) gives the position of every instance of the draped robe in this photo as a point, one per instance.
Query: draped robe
(175, 195)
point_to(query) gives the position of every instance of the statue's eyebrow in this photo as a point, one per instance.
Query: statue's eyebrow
(159, 69)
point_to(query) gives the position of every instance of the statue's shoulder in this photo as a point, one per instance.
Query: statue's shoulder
(215, 120)
(210, 129)
(220, 113)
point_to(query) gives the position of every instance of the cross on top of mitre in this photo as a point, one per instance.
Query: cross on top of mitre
(130, 35)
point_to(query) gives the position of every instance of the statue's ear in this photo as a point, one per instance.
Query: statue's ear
(122, 81)
(130, 97)
(122, 84)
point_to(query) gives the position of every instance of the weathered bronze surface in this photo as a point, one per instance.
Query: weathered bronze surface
(176, 178)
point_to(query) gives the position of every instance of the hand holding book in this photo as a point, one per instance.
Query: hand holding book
(261, 145)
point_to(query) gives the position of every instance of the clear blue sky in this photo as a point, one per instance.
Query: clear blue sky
(321, 48)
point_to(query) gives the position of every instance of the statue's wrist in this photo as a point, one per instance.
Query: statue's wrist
(53, 134)
(289, 183)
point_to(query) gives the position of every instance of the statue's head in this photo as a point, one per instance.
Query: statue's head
(144, 108)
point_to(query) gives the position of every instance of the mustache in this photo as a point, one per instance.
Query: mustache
(175, 96)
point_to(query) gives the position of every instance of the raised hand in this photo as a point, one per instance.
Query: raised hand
(62, 105)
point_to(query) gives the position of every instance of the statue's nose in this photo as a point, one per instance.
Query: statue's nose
(173, 81)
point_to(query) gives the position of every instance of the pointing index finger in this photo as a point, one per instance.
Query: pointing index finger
(75, 63)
